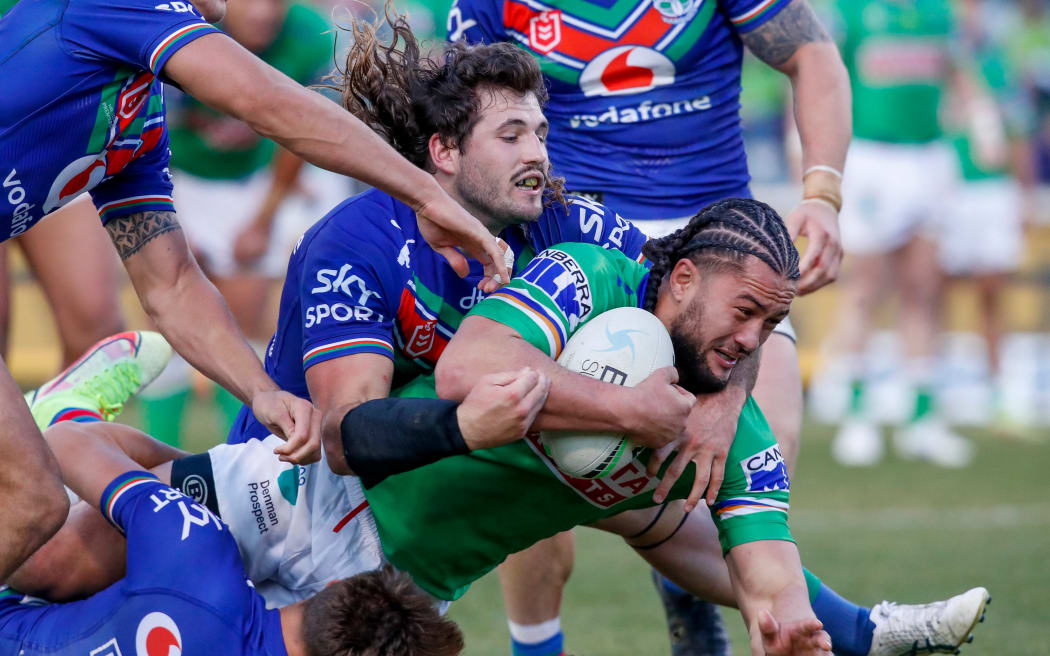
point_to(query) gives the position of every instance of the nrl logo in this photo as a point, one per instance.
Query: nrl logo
(677, 11)
(545, 31)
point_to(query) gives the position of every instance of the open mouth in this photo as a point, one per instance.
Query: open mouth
(530, 182)
(728, 359)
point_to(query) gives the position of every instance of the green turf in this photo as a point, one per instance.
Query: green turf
(901, 531)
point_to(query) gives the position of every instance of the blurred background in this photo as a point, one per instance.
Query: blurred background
(908, 530)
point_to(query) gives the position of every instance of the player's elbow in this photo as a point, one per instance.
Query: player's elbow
(452, 378)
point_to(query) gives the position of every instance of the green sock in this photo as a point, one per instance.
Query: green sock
(923, 403)
(229, 407)
(162, 415)
(856, 399)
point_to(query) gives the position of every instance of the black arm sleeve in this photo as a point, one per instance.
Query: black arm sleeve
(389, 436)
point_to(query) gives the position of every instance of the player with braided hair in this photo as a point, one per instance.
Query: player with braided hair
(729, 230)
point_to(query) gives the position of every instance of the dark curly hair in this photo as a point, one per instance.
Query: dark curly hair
(723, 234)
(406, 97)
(379, 613)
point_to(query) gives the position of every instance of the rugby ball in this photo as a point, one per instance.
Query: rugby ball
(623, 347)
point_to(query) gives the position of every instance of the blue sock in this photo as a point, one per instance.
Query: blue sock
(671, 586)
(849, 625)
(552, 646)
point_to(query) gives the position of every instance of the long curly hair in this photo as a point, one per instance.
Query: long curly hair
(407, 97)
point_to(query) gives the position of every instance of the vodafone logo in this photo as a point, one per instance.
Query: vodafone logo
(80, 175)
(625, 70)
(545, 31)
(158, 635)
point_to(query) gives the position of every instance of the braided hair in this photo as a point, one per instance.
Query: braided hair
(723, 233)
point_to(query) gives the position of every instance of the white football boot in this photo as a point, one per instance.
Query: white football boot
(858, 444)
(940, 627)
(931, 440)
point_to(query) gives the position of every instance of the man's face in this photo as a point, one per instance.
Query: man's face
(724, 317)
(255, 23)
(503, 161)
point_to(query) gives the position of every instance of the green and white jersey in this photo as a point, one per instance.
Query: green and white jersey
(898, 54)
(209, 144)
(994, 72)
(451, 522)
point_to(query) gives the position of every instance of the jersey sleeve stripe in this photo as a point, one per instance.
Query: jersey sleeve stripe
(111, 208)
(740, 506)
(535, 312)
(119, 487)
(755, 13)
(347, 347)
(174, 38)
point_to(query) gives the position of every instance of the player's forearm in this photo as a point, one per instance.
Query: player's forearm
(193, 317)
(286, 167)
(575, 402)
(220, 73)
(767, 575)
(823, 111)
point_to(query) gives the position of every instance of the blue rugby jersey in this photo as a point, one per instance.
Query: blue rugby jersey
(363, 280)
(644, 94)
(185, 591)
(83, 109)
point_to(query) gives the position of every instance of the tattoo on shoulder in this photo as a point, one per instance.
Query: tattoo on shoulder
(130, 233)
(782, 35)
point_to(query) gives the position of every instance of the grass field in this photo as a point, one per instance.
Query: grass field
(902, 531)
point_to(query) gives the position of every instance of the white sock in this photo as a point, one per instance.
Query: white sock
(531, 634)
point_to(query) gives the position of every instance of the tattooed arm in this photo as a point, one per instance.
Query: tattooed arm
(192, 315)
(795, 43)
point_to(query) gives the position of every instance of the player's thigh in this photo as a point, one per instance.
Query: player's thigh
(35, 502)
(85, 556)
(778, 392)
(982, 233)
(73, 259)
(682, 546)
(533, 579)
(882, 204)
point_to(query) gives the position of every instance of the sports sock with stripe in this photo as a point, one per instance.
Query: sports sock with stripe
(848, 624)
(544, 639)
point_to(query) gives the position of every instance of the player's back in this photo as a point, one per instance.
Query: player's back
(115, 622)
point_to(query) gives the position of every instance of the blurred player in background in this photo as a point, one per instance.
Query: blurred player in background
(982, 232)
(242, 200)
(902, 55)
(645, 117)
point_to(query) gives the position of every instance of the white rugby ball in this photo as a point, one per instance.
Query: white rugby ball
(621, 346)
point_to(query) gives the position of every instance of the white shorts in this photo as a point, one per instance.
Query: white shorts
(982, 230)
(214, 212)
(893, 192)
(297, 527)
(657, 228)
